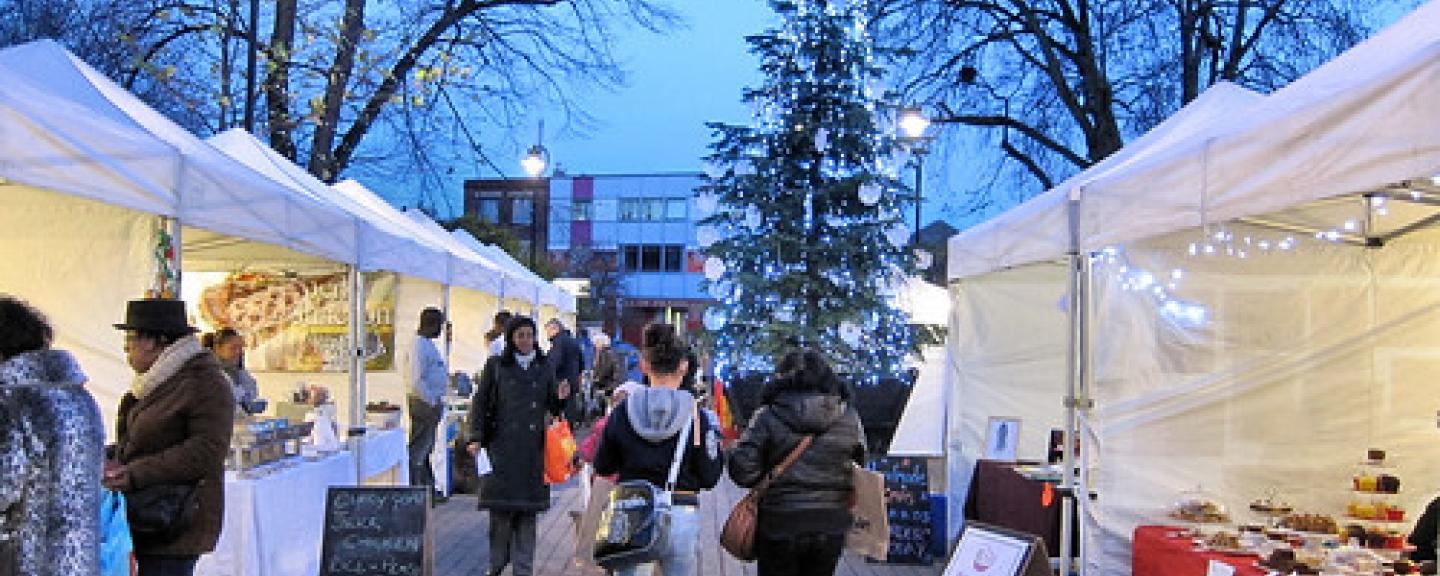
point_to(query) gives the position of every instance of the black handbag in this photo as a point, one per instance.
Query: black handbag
(161, 513)
(10, 538)
(635, 523)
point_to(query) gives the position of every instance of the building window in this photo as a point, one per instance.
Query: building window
(652, 209)
(675, 208)
(652, 258)
(674, 258)
(582, 211)
(522, 211)
(630, 258)
(490, 210)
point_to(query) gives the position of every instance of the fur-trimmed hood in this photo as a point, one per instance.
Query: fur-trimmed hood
(41, 366)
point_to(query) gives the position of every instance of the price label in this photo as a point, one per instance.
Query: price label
(1218, 568)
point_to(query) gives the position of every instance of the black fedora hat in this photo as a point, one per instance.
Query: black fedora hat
(156, 315)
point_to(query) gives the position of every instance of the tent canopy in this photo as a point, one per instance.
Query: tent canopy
(464, 268)
(383, 245)
(1362, 121)
(1039, 228)
(204, 188)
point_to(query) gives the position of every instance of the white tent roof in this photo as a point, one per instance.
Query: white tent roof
(76, 112)
(1366, 117)
(527, 281)
(519, 281)
(1039, 228)
(923, 302)
(383, 245)
(465, 268)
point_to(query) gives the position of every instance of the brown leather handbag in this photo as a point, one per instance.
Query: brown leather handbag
(738, 535)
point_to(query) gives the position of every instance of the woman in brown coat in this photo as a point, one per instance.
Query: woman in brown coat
(173, 429)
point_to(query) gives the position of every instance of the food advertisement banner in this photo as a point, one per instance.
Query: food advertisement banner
(296, 322)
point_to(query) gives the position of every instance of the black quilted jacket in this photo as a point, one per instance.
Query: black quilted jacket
(813, 495)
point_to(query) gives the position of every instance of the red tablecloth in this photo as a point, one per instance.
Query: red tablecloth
(1155, 553)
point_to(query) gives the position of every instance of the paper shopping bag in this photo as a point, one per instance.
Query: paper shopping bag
(870, 531)
(590, 521)
(482, 463)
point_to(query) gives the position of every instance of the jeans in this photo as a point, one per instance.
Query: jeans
(424, 419)
(512, 541)
(679, 556)
(807, 554)
(166, 565)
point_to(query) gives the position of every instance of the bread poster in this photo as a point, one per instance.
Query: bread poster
(297, 322)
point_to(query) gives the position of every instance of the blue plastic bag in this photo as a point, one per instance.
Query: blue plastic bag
(115, 544)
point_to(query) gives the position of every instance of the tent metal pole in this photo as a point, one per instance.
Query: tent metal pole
(1078, 267)
(175, 243)
(1084, 402)
(357, 370)
(445, 306)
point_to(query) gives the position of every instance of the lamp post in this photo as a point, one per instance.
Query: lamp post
(913, 124)
(536, 160)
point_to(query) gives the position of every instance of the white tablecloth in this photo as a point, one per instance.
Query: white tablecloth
(273, 524)
(384, 459)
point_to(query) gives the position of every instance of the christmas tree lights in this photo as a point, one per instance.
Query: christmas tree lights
(805, 235)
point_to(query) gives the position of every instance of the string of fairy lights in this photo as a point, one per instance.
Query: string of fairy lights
(1163, 287)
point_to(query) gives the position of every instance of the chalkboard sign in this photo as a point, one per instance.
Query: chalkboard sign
(376, 531)
(907, 487)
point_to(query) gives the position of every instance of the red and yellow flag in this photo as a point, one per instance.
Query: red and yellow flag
(722, 409)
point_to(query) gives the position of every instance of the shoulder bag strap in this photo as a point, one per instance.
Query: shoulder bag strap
(784, 465)
(680, 440)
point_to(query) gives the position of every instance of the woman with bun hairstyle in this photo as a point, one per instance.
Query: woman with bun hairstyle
(803, 516)
(638, 443)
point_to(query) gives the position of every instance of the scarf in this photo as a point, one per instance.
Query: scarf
(170, 362)
(525, 359)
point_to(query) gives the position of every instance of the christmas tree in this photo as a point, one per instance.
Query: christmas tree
(805, 235)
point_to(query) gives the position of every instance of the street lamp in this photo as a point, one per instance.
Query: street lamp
(535, 160)
(913, 124)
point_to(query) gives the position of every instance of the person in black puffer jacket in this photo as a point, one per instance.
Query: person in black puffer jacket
(804, 515)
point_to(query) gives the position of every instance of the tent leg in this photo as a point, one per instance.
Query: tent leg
(1077, 401)
(356, 430)
(176, 242)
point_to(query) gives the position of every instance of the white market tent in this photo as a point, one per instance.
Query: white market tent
(526, 294)
(87, 168)
(920, 431)
(428, 270)
(1303, 325)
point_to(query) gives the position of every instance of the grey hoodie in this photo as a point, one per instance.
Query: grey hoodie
(658, 413)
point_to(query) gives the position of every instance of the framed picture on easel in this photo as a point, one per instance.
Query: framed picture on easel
(1002, 436)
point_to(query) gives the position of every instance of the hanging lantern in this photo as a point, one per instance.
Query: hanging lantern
(706, 236)
(851, 333)
(706, 204)
(714, 268)
(898, 234)
(870, 193)
(715, 318)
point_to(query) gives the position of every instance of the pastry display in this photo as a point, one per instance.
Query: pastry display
(1316, 523)
(1200, 510)
(1223, 541)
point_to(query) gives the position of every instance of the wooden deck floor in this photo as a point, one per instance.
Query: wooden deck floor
(462, 549)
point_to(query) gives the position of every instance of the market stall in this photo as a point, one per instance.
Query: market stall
(1255, 311)
(90, 171)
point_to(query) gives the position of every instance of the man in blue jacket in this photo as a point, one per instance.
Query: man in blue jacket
(565, 359)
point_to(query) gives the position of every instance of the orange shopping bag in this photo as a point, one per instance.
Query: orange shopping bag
(559, 452)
